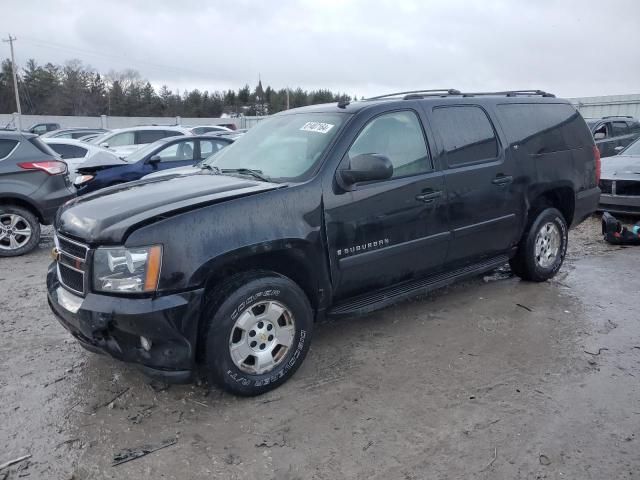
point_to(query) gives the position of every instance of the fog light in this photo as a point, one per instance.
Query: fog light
(146, 343)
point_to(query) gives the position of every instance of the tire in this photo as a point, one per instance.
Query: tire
(15, 219)
(263, 318)
(543, 246)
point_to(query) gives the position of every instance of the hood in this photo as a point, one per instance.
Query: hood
(189, 170)
(106, 216)
(101, 160)
(621, 167)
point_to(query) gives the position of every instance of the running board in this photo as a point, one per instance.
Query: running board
(382, 298)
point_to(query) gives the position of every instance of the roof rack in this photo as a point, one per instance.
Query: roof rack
(416, 94)
(618, 116)
(437, 91)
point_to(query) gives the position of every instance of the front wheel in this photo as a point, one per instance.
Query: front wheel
(543, 247)
(257, 333)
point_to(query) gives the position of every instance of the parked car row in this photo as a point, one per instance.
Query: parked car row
(40, 173)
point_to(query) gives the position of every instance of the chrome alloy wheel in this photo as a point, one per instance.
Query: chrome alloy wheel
(261, 337)
(547, 245)
(15, 231)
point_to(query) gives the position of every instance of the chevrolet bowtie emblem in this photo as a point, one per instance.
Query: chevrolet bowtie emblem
(55, 254)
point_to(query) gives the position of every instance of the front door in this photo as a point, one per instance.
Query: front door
(179, 154)
(381, 233)
(479, 181)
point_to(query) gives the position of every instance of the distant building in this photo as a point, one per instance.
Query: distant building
(597, 107)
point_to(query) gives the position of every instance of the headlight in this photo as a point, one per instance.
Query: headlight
(127, 270)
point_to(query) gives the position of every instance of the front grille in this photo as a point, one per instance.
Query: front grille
(72, 264)
(70, 278)
(627, 187)
(605, 186)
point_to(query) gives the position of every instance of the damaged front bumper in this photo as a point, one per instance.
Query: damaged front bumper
(114, 325)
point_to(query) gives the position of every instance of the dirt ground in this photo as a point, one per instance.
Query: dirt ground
(491, 378)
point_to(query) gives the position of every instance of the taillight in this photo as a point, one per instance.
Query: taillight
(596, 156)
(52, 167)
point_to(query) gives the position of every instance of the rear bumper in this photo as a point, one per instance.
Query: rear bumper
(586, 204)
(51, 195)
(626, 205)
(114, 325)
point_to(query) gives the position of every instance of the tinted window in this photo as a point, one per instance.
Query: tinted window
(121, 139)
(544, 127)
(398, 136)
(178, 152)
(6, 146)
(149, 136)
(209, 147)
(43, 147)
(618, 129)
(634, 127)
(68, 151)
(466, 133)
(601, 132)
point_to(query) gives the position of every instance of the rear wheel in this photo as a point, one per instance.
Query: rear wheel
(258, 331)
(19, 231)
(543, 247)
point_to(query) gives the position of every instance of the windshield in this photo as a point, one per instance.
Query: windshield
(633, 149)
(282, 148)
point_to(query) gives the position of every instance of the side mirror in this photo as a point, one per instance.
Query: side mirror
(599, 135)
(367, 167)
(104, 144)
(154, 160)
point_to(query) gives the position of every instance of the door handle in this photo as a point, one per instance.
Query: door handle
(502, 180)
(428, 197)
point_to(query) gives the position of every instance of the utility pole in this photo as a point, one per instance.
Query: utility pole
(15, 80)
(287, 98)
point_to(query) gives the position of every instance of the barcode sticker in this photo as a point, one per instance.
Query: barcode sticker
(317, 127)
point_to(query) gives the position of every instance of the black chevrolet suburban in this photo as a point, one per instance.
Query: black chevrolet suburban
(328, 210)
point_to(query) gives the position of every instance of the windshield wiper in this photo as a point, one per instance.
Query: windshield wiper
(247, 171)
(213, 168)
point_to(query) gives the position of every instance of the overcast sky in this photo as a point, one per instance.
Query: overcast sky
(571, 48)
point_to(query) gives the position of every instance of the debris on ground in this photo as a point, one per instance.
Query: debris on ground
(528, 309)
(617, 234)
(14, 461)
(129, 454)
(544, 460)
(600, 350)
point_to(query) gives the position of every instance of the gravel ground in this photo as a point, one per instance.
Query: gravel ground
(491, 378)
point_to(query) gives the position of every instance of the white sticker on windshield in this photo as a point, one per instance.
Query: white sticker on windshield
(317, 127)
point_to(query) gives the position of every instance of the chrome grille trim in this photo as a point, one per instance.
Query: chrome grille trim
(77, 264)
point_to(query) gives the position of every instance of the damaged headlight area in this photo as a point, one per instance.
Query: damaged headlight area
(127, 270)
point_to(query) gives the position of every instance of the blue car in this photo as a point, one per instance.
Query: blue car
(170, 152)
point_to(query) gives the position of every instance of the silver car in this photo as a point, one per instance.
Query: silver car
(620, 182)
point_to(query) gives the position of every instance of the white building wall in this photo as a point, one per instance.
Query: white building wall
(597, 107)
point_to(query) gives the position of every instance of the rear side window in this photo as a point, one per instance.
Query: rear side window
(466, 133)
(149, 136)
(544, 127)
(6, 147)
(619, 128)
(68, 151)
(634, 127)
(209, 147)
(121, 139)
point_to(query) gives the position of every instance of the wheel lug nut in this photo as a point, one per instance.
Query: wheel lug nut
(270, 337)
(260, 324)
(252, 333)
(269, 327)
(253, 344)
(262, 346)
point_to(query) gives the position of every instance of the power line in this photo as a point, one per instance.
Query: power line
(123, 60)
(10, 41)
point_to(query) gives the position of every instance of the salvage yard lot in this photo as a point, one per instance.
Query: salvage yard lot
(491, 378)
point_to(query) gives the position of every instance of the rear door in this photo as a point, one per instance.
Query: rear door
(210, 146)
(381, 233)
(479, 178)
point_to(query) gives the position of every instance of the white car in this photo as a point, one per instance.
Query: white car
(125, 141)
(75, 152)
